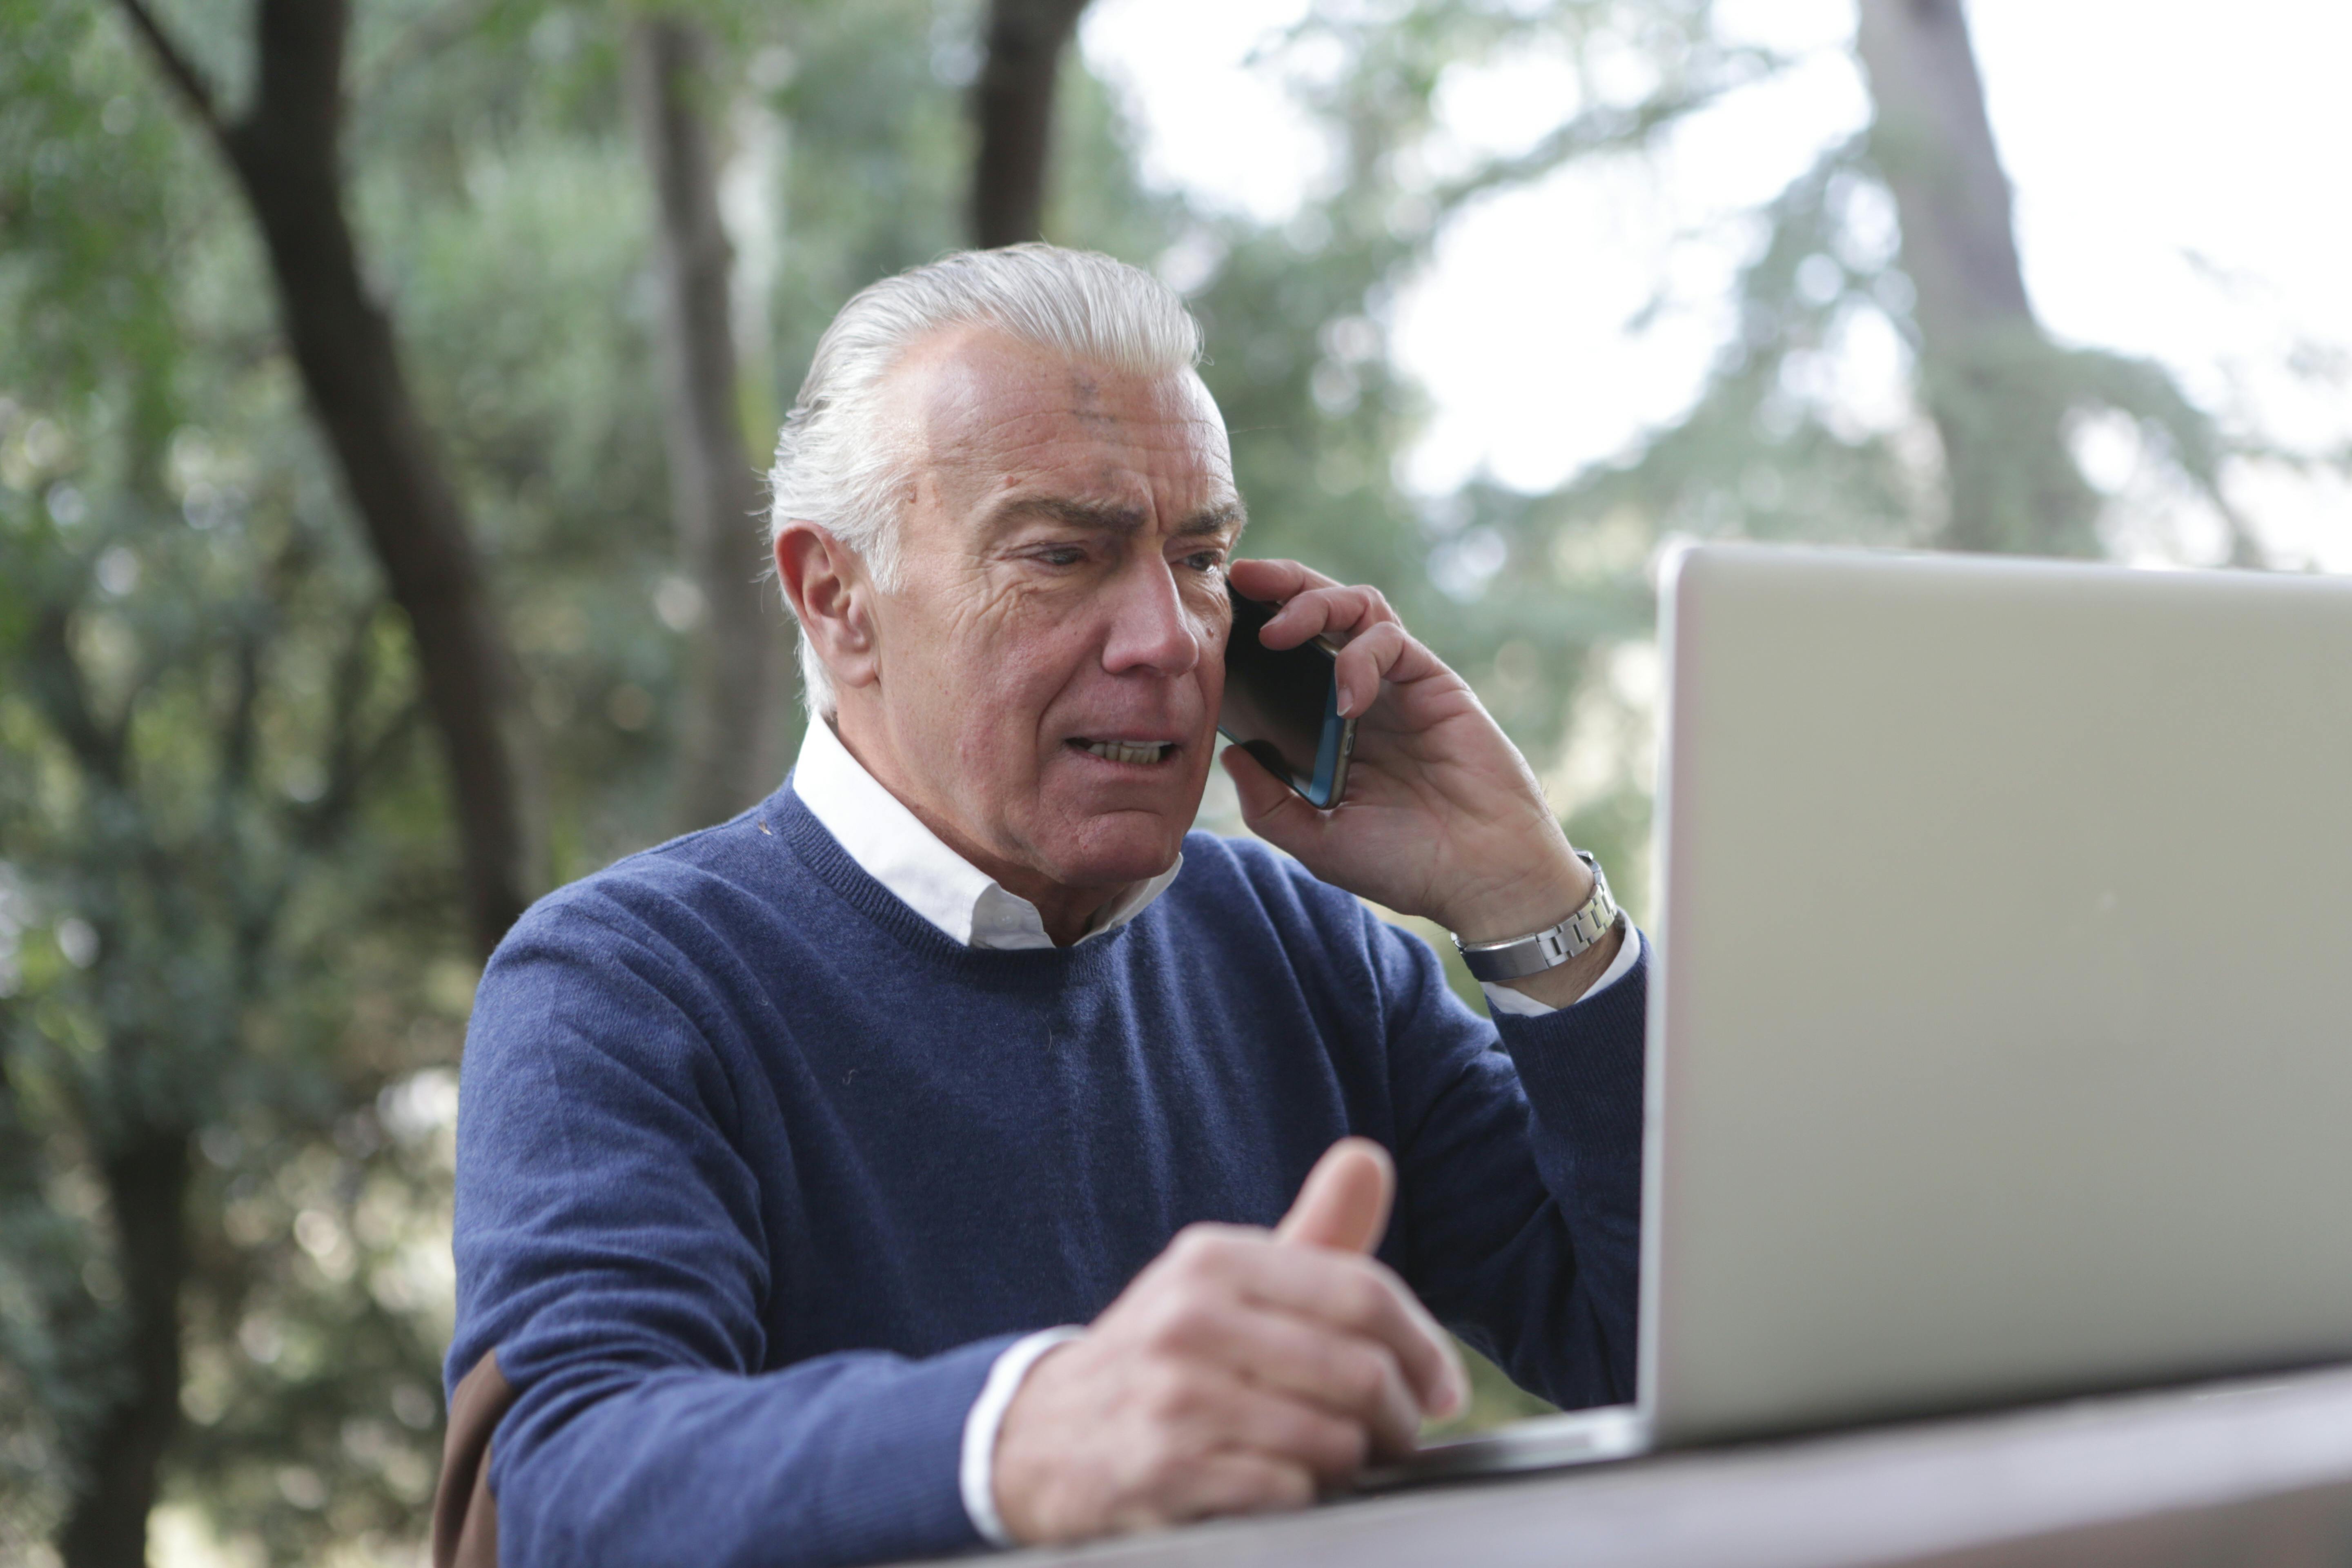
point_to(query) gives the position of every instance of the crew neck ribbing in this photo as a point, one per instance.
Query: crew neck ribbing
(787, 819)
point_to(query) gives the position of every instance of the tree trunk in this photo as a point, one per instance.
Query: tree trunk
(284, 152)
(1985, 364)
(1014, 104)
(147, 1185)
(715, 492)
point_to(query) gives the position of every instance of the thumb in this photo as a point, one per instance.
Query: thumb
(1271, 808)
(1344, 1202)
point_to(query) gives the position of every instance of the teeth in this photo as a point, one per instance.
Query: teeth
(1120, 751)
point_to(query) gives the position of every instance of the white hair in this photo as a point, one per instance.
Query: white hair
(835, 466)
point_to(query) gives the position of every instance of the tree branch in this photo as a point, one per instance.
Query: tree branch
(178, 69)
(1608, 128)
(350, 760)
(56, 678)
(446, 24)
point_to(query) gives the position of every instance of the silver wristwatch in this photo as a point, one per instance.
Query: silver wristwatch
(1524, 955)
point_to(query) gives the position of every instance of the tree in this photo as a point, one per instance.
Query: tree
(1012, 107)
(2000, 394)
(497, 169)
(284, 150)
(167, 514)
(191, 878)
(2011, 481)
(726, 757)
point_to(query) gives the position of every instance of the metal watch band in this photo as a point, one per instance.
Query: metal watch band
(1524, 955)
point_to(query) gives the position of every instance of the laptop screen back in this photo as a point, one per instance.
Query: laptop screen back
(2001, 1044)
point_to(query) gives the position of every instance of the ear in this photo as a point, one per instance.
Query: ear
(826, 585)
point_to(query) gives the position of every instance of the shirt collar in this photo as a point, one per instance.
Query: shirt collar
(891, 844)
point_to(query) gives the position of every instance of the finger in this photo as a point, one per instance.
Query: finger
(1382, 652)
(1341, 610)
(1344, 1202)
(1348, 1375)
(1271, 808)
(1273, 580)
(1234, 1412)
(1347, 1292)
(1232, 1481)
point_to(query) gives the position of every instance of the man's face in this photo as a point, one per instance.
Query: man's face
(1051, 663)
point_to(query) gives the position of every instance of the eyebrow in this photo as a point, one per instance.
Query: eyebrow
(1109, 517)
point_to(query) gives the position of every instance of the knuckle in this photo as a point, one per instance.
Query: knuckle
(1364, 1374)
(1363, 1298)
(1196, 1247)
(1157, 1458)
(1178, 1325)
(1346, 1446)
(1386, 1280)
(1171, 1394)
(1288, 1486)
(1330, 1445)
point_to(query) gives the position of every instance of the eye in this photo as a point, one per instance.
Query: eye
(1205, 560)
(1060, 554)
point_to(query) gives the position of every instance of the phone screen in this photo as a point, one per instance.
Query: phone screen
(1283, 708)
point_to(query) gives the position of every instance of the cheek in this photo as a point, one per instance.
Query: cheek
(988, 647)
(1210, 673)
(1007, 679)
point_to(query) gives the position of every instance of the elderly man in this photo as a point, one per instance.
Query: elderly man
(911, 1163)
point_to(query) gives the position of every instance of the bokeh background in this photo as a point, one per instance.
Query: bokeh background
(383, 388)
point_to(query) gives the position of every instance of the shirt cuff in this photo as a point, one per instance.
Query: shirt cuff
(977, 1474)
(1519, 1005)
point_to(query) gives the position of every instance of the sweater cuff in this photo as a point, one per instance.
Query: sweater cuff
(1581, 1064)
(1502, 999)
(977, 1474)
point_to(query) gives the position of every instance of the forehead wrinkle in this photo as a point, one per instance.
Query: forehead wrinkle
(974, 433)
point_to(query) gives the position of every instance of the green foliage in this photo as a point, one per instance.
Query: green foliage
(226, 885)
(228, 890)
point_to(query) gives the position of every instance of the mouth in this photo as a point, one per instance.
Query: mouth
(1134, 753)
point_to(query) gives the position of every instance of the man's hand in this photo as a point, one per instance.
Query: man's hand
(1242, 1369)
(1443, 816)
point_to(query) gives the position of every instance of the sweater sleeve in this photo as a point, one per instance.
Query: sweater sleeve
(613, 1269)
(1520, 1173)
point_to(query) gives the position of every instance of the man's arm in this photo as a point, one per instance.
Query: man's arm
(1443, 819)
(1519, 1218)
(612, 1277)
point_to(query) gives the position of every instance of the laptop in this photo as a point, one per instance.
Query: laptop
(2001, 1020)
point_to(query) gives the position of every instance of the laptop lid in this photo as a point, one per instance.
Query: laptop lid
(2000, 1044)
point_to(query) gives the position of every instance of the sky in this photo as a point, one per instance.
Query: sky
(2179, 182)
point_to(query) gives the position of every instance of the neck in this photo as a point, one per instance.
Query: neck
(1067, 912)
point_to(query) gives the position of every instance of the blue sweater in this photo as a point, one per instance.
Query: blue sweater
(758, 1172)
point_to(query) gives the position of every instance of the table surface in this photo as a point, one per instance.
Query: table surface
(2252, 1473)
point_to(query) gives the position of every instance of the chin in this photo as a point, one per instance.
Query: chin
(1118, 847)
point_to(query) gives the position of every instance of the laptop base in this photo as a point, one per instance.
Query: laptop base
(1545, 1442)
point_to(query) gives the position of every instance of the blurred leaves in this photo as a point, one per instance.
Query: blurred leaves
(228, 894)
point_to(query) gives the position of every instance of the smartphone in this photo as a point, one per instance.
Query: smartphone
(1283, 708)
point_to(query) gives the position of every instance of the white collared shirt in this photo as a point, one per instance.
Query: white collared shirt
(891, 844)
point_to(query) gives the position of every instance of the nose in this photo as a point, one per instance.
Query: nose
(1151, 631)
